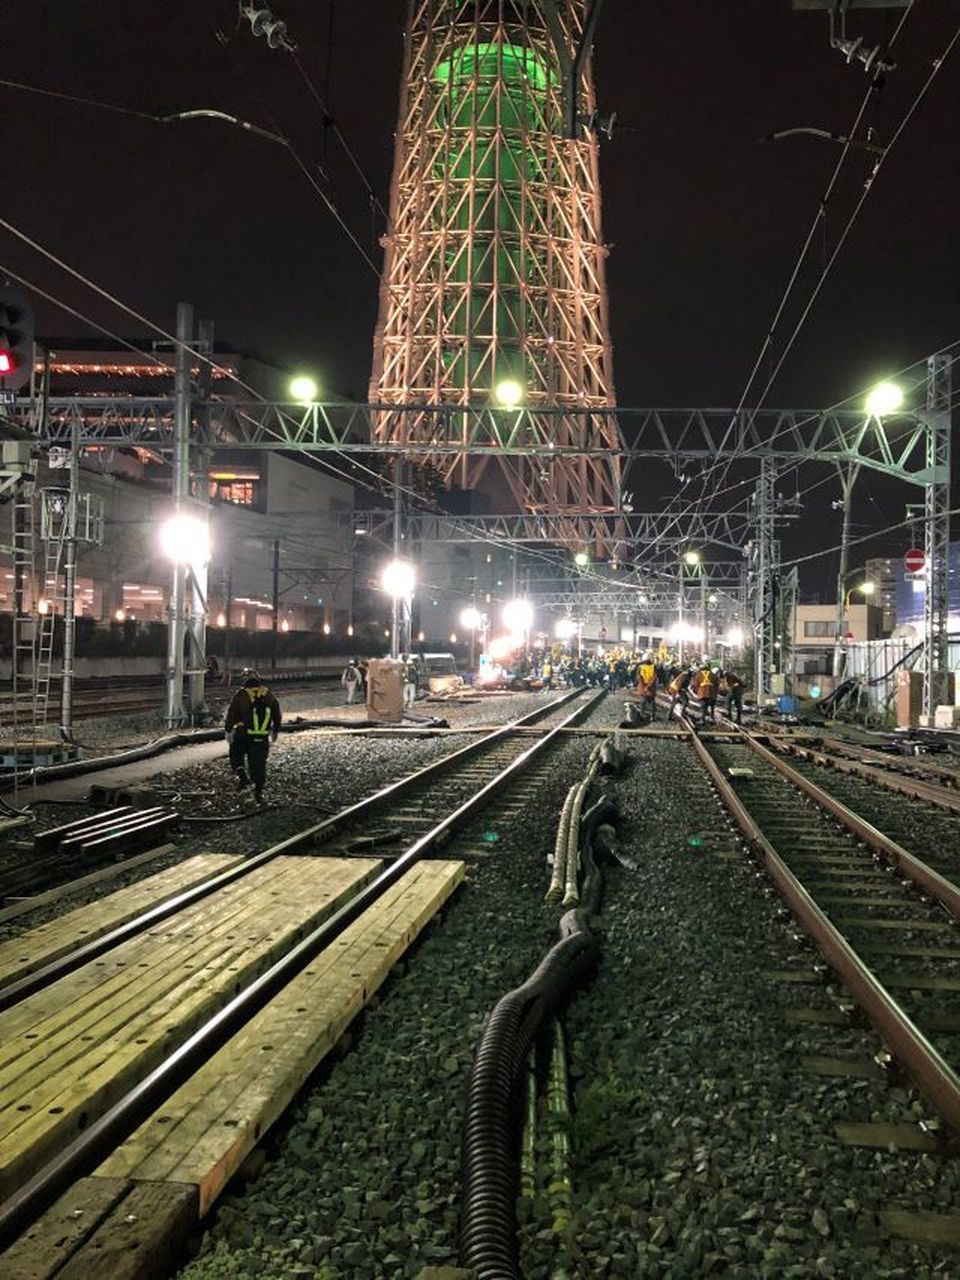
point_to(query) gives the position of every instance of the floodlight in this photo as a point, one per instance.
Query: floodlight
(398, 579)
(885, 397)
(509, 393)
(518, 616)
(185, 539)
(304, 389)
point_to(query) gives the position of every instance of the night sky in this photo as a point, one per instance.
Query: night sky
(704, 221)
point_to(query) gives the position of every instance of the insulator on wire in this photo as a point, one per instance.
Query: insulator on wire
(264, 23)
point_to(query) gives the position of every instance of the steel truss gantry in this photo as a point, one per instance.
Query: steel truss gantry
(895, 446)
(618, 529)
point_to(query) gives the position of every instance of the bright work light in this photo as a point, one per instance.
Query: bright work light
(885, 397)
(398, 578)
(509, 393)
(185, 539)
(304, 389)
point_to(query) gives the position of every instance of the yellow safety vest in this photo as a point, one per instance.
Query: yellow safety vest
(259, 728)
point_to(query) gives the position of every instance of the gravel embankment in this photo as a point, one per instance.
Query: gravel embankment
(703, 1146)
(362, 1181)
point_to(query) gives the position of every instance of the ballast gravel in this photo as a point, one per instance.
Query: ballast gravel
(702, 1145)
(362, 1180)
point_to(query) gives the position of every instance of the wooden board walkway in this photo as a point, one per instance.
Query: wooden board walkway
(69, 1050)
(124, 1222)
(39, 946)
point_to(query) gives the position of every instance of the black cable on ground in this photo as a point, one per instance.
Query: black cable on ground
(488, 1228)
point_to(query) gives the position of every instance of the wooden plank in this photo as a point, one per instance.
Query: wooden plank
(890, 1137)
(39, 946)
(55, 1237)
(923, 1227)
(67, 1052)
(141, 1239)
(83, 882)
(203, 1133)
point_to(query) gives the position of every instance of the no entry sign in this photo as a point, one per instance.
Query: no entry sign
(914, 560)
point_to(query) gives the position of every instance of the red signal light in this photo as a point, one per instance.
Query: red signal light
(6, 361)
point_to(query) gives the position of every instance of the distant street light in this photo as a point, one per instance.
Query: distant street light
(508, 393)
(304, 389)
(865, 588)
(884, 398)
(470, 619)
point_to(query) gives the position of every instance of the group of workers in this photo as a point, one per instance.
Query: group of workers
(646, 673)
(706, 682)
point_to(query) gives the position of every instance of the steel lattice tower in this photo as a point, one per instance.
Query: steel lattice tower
(494, 267)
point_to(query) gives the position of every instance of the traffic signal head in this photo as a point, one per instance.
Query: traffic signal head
(16, 338)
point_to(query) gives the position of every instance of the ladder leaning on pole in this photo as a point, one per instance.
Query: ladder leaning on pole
(24, 631)
(54, 523)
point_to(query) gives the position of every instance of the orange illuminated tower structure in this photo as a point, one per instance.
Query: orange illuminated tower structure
(494, 287)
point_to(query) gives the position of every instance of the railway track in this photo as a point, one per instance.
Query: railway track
(884, 920)
(166, 995)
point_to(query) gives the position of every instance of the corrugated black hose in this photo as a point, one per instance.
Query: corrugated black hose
(488, 1227)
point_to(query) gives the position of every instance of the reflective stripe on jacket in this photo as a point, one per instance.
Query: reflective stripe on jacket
(260, 724)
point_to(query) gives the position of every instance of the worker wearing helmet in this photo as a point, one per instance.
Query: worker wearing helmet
(679, 690)
(253, 719)
(647, 685)
(732, 686)
(706, 686)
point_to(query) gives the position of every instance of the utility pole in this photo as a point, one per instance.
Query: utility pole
(703, 607)
(848, 479)
(70, 581)
(764, 564)
(227, 607)
(175, 714)
(276, 603)
(397, 613)
(196, 621)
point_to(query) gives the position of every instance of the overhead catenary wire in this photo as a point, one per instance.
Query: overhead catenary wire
(801, 258)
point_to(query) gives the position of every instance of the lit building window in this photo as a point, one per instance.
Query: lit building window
(242, 489)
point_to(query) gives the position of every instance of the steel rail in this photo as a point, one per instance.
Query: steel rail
(946, 797)
(89, 1148)
(12, 992)
(930, 1072)
(944, 890)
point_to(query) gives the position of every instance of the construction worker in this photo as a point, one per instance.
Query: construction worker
(408, 674)
(706, 686)
(253, 718)
(732, 686)
(351, 680)
(679, 690)
(647, 685)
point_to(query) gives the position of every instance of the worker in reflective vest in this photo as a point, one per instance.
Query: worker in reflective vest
(647, 685)
(253, 718)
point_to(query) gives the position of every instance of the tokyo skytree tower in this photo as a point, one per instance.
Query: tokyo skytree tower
(494, 289)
